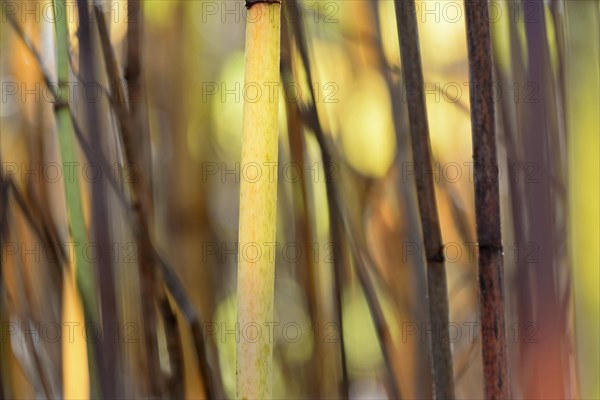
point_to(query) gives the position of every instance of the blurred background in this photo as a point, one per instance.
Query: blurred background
(181, 65)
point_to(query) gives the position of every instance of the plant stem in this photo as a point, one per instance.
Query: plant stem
(443, 377)
(68, 153)
(338, 226)
(151, 291)
(100, 230)
(258, 201)
(487, 202)
(297, 32)
(423, 387)
(4, 192)
(213, 390)
(302, 209)
(382, 329)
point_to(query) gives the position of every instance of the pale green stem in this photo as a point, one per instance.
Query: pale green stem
(68, 153)
(258, 198)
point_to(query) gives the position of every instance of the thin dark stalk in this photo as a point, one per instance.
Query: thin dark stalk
(34, 52)
(100, 231)
(301, 205)
(381, 326)
(46, 232)
(443, 379)
(174, 383)
(298, 34)
(133, 76)
(175, 287)
(363, 264)
(487, 202)
(133, 68)
(8, 187)
(25, 291)
(335, 230)
(423, 386)
(134, 95)
(336, 218)
(150, 290)
(4, 191)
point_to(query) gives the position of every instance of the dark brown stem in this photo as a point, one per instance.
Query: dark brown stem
(133, 68)
(381, 326)
(443, 379)
(4, 191)
(7, 187)
(34, 52)
(335, 226)
(140, 135)
(174, 383)
(301, 207)
(213, 390)
(150, 290)
(336, 219)
(45, 231)
(109, 356)
(487, 201)
(134, 97)
(410, 218)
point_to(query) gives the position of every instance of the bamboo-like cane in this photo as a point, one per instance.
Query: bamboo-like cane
(487, 202)
(66, 139)
(258, 198)
(443, 378)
